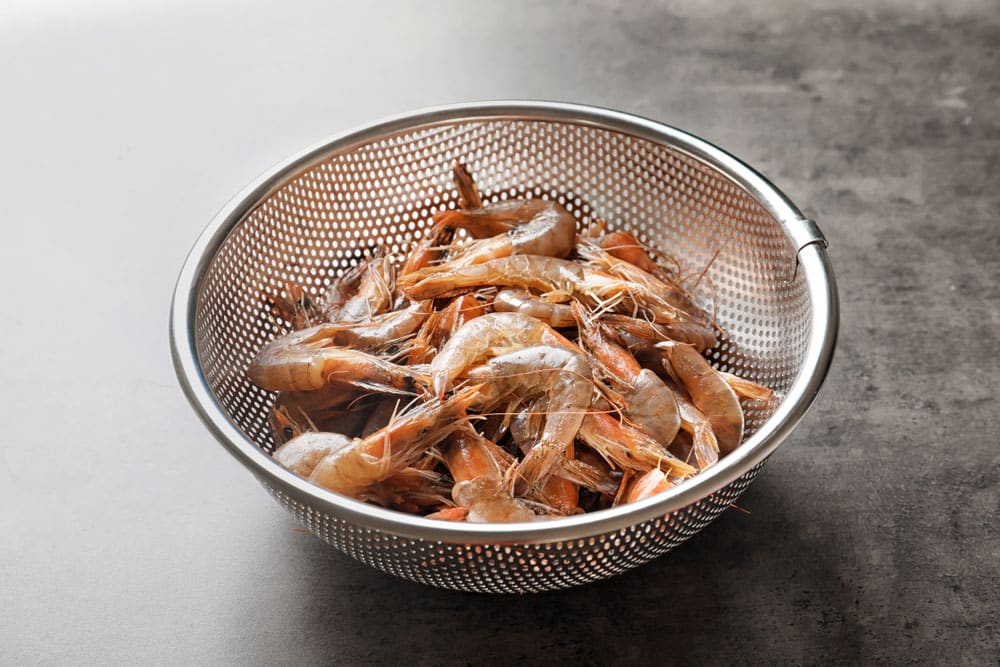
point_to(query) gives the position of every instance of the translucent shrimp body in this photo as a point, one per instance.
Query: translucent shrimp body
(484, 337)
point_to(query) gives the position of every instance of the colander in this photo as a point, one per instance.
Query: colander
(311, 217)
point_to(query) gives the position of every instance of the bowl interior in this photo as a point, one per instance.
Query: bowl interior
(322, 220)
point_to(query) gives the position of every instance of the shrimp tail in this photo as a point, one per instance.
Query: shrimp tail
(705, 447)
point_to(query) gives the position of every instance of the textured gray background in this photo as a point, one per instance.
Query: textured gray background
(127, 534)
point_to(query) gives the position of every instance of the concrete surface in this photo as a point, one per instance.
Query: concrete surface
(130, 537)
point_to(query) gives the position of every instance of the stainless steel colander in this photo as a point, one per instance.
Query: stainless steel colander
(308, 219)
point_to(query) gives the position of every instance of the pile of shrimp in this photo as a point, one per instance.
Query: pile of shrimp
(529, 371)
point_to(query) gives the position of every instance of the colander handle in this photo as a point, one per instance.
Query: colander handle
(804, 232)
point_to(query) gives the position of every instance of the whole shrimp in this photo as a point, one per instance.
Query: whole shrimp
(558, 315)
(304, 361)
(517, 227)
(561, 378)
(626, 447)
(374, 294)
(546, 275)
(646, 333)
(353, 467)
(477, 466)
(704, 445)
(648, 401)
(485, 337)
(709, 392)
(668, 291)
(381, 330)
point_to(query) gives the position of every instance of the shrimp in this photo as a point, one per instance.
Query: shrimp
(478, 467)
(409, 490)
(380, 330)
(304, 452)
(353, 467)
(561, 379)
(626, 447)
(375, 292)
(487, 336)
(302, 361)
(427, 249)
(626, 247)
(668, 291)
(546, 275)
(704, 444)
(525, 427)
(440, 325)
(648, 333)
(650, 403)
(709, 392)
(557, 315)
(340, 290)
(646, 485)
(518, 227)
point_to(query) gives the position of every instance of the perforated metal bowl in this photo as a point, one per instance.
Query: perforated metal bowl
(307, 219)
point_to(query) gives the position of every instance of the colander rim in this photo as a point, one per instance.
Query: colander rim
(813, 261)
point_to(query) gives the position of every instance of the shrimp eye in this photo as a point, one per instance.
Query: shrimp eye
(288, 431)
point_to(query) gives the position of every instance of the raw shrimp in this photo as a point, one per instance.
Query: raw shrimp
(546, 275)
(302, 361)
(380, 330)
(340, 290)
(427, 249)
(441, 325)
(626, 247)
(351, 468)
(518, 227)
(561, 379)
(525, 427)
(478, 467)
(704, 444)
(304, 452)
(709, 392)
(559, 315)
(646, 485)
(668, 291)
(649, 402)
(487, 336)
(375, 292)
(410, 490)
(627, 447)
(649, 333)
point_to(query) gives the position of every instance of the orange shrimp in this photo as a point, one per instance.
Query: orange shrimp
(709, 392)
(440, 325)
(353, 467)
(529, 226)
(626, 247)
(558, 315)
(304, 361)
(626, 447)
(647, 334)
(649, 402)
(487, 336)
(561, 378)
(646, 485)
(546, 275)
(477, 466)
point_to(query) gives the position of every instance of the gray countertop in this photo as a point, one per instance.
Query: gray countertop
(129, 536)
